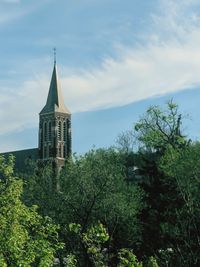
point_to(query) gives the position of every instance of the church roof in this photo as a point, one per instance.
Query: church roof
(55, 101)
(22, 158)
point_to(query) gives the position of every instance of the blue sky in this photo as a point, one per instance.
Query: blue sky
(115, 58)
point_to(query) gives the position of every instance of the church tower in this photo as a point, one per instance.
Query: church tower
(55, 125)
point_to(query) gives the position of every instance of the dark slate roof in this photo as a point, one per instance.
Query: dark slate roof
(22, 156)
(55, 101)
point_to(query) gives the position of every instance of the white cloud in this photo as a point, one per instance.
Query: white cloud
(141, 73)
(15, 9)
(169, 61)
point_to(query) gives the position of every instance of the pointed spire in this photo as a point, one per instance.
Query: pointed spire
(54, 53)
(55, 101)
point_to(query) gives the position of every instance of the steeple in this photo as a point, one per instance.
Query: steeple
(55, 101)
(55, 125)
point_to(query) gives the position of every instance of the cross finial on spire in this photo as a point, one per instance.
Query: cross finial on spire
(54, 52)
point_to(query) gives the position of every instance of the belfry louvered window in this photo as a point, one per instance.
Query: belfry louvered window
(64, 131)
(45, 131)
(59, 130)
(49, 131)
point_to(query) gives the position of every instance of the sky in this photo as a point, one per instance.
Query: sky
(115, 58)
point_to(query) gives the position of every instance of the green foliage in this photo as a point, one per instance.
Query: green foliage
(158, 128)
(152, 262)
(25, 237)
(97, 234)
(128, 259)
(182, 168)
(156, 131)
(75, 227)
(94, 189)
(71, 261)
(40, 188)
(148, 201)
(6, 168)
(94, 240)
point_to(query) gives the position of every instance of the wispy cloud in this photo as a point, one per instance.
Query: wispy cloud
(15, 9)
(168, 61)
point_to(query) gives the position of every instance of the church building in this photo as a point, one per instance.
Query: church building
(54, 130)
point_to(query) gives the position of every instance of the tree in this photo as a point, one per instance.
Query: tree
(95, 239)
(182, 168)
(125, 141)
(159, 128)
(40, 187)
(94, 189)
(26, 238)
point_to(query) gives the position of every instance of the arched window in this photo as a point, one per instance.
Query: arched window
(49, 131)
(64, 131)
(59, 130)
(45, 131)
